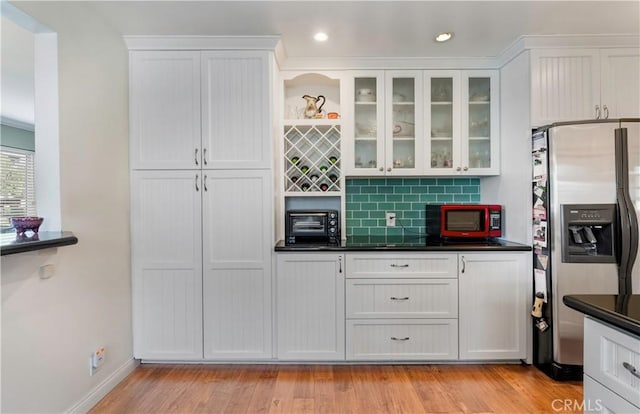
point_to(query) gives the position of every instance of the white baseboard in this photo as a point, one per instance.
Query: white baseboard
(95, 395)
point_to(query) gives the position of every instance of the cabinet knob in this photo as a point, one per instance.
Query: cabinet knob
(381, 169)
(465, 168)
(458, 169)
(389, 169)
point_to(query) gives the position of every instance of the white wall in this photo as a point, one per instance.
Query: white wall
(50, 327)
(512, 188)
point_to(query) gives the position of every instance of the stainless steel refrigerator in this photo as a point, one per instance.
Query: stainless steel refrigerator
(586, 203)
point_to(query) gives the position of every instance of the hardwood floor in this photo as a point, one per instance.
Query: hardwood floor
(155, 388)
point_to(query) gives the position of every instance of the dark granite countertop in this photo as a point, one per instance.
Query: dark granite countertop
(11, 244)
(621, 311)
(405, 243)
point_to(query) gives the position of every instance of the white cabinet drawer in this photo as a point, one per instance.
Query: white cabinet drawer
(402, 298)
(607, 352)
(406, 265)
(599, 399)
(402, 339)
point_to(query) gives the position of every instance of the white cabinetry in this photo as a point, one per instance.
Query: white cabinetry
(386, 123)
(167, 264)
(201, 204)
(494, 288)
(577, 84)
(611, 366)
(402, 306)
(462, 122)
(192, 109)
(310, 306)
(236, 109)
(237, 243)
(165, 109)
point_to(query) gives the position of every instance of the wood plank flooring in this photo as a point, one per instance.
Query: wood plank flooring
(367, 389)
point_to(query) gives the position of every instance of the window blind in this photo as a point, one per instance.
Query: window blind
(17, 185)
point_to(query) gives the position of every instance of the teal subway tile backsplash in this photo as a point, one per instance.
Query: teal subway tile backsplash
(367, 200)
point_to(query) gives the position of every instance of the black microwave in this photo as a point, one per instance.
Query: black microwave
(312, 227)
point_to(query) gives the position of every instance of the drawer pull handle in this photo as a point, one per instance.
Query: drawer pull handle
(631, 369)
(397, 265)
(393, 338)
(404, 298)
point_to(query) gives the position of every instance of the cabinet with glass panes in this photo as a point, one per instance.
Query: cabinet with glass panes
(461, 122)
(386, 125)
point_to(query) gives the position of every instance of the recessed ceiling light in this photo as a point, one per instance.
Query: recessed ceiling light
(320, 37)
(443, 37)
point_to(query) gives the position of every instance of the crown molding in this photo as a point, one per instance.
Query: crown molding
(529, 42)
(201, 42)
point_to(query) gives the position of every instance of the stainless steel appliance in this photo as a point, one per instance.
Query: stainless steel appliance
(312, 227)
(586, 201)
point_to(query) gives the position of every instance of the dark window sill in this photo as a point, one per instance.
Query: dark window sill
(11, 244)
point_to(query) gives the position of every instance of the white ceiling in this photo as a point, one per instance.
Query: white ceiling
(356, 29)
(375, 28)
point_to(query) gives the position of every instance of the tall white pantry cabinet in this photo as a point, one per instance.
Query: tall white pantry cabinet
(201, 204)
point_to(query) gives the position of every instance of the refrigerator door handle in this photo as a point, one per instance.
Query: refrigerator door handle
(628, 220)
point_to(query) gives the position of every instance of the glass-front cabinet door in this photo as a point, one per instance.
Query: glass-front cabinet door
(403, 141)
(480, 122)
(368, 124)
(442, 121)
(461, 122)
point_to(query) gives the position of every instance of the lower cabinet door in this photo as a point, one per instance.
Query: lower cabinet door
(494, 289)
(612, 358)
(166, 263)
(237, 250)
(402, 339)
(310, 306)
(599, 399)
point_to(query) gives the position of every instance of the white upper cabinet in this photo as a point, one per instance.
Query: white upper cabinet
(165, 109)
(236, 109)
(387, 123)
(192, 110)
(620, 83)
(579, 84)
(461, 122)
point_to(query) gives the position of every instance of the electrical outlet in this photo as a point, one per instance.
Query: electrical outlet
(391, 219)
(96, 360)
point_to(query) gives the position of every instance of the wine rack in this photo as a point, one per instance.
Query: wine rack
(312, 157)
